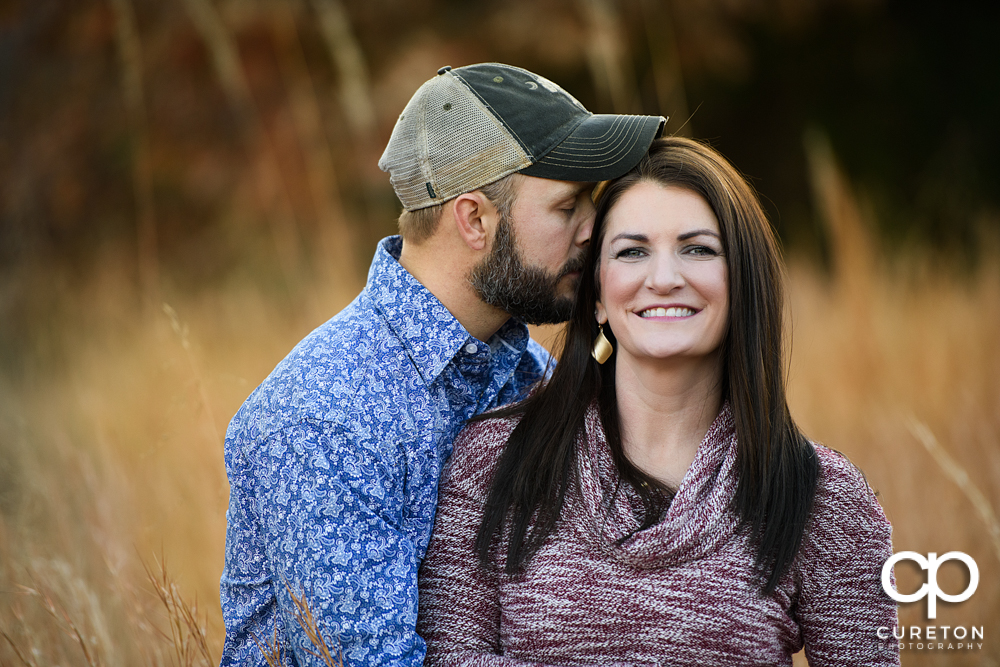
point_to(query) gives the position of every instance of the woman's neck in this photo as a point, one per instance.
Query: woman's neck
(665, 410)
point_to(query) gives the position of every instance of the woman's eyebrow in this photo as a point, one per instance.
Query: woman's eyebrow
(697, 232)
(642, 238)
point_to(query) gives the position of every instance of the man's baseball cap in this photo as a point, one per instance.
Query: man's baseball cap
(471, 126)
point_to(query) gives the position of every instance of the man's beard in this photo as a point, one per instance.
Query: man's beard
(529, 293)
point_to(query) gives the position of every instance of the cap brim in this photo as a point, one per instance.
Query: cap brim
(603, 146)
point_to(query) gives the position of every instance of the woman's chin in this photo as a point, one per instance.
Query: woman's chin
(669, 355)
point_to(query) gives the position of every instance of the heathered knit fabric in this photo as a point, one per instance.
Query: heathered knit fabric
(683, 592)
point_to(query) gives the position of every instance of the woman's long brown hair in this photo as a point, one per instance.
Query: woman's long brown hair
(776, 467)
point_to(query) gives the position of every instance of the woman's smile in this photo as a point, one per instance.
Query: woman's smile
(667, 312)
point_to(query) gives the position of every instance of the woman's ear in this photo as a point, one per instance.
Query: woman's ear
(475, 219)
(600, 313)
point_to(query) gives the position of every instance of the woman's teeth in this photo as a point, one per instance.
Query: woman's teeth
(667, 312)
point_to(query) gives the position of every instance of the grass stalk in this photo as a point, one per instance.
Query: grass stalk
(306, 620)
(17, 650)
(64, 621)
(271, 649)
(957, 474)
(188, 635)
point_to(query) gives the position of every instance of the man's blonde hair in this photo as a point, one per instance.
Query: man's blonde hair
(418, 226)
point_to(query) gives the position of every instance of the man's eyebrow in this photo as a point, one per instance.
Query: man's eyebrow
(575, 189)
(697, 232)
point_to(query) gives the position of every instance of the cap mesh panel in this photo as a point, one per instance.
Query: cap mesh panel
(455, 149)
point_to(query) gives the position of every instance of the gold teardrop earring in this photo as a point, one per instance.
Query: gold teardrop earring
(602, 346)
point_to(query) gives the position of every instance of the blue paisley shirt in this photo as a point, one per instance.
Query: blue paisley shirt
(333, 465)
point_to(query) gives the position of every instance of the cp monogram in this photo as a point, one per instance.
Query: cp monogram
(930, 589)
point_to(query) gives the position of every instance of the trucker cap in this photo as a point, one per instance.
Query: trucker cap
(471, 126)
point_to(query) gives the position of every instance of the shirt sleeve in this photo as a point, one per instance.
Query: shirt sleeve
(313, 513)
(842, 606)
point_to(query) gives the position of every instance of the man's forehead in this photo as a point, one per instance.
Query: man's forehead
(557, 189)
(579, 187)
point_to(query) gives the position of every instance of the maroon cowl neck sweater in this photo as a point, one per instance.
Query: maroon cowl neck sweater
(683, 592)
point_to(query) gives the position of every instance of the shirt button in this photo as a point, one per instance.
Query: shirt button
(471, 348)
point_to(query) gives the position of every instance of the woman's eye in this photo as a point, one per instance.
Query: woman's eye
(629, 253)
(702, 251)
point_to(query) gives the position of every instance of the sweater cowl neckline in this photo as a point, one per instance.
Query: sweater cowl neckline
(698, 520)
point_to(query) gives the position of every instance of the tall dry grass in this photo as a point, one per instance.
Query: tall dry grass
(112, 456)
(111, 437)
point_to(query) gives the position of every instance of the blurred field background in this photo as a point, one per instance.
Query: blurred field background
(187, 187)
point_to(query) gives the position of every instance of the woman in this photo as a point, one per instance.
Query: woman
(654, 502)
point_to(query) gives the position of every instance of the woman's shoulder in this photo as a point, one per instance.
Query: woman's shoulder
(476, 452)
(845, 505)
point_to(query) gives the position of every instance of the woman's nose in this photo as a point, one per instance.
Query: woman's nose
(665, 274)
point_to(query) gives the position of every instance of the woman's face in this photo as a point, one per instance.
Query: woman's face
(663, 278)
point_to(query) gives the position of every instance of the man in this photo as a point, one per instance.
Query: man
(334, 460)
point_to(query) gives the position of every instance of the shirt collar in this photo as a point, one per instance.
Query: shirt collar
(427, 329)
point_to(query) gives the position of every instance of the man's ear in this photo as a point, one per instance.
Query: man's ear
(475, 219)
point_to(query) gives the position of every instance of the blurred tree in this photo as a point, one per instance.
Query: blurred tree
(130, 52)
(264, 118)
